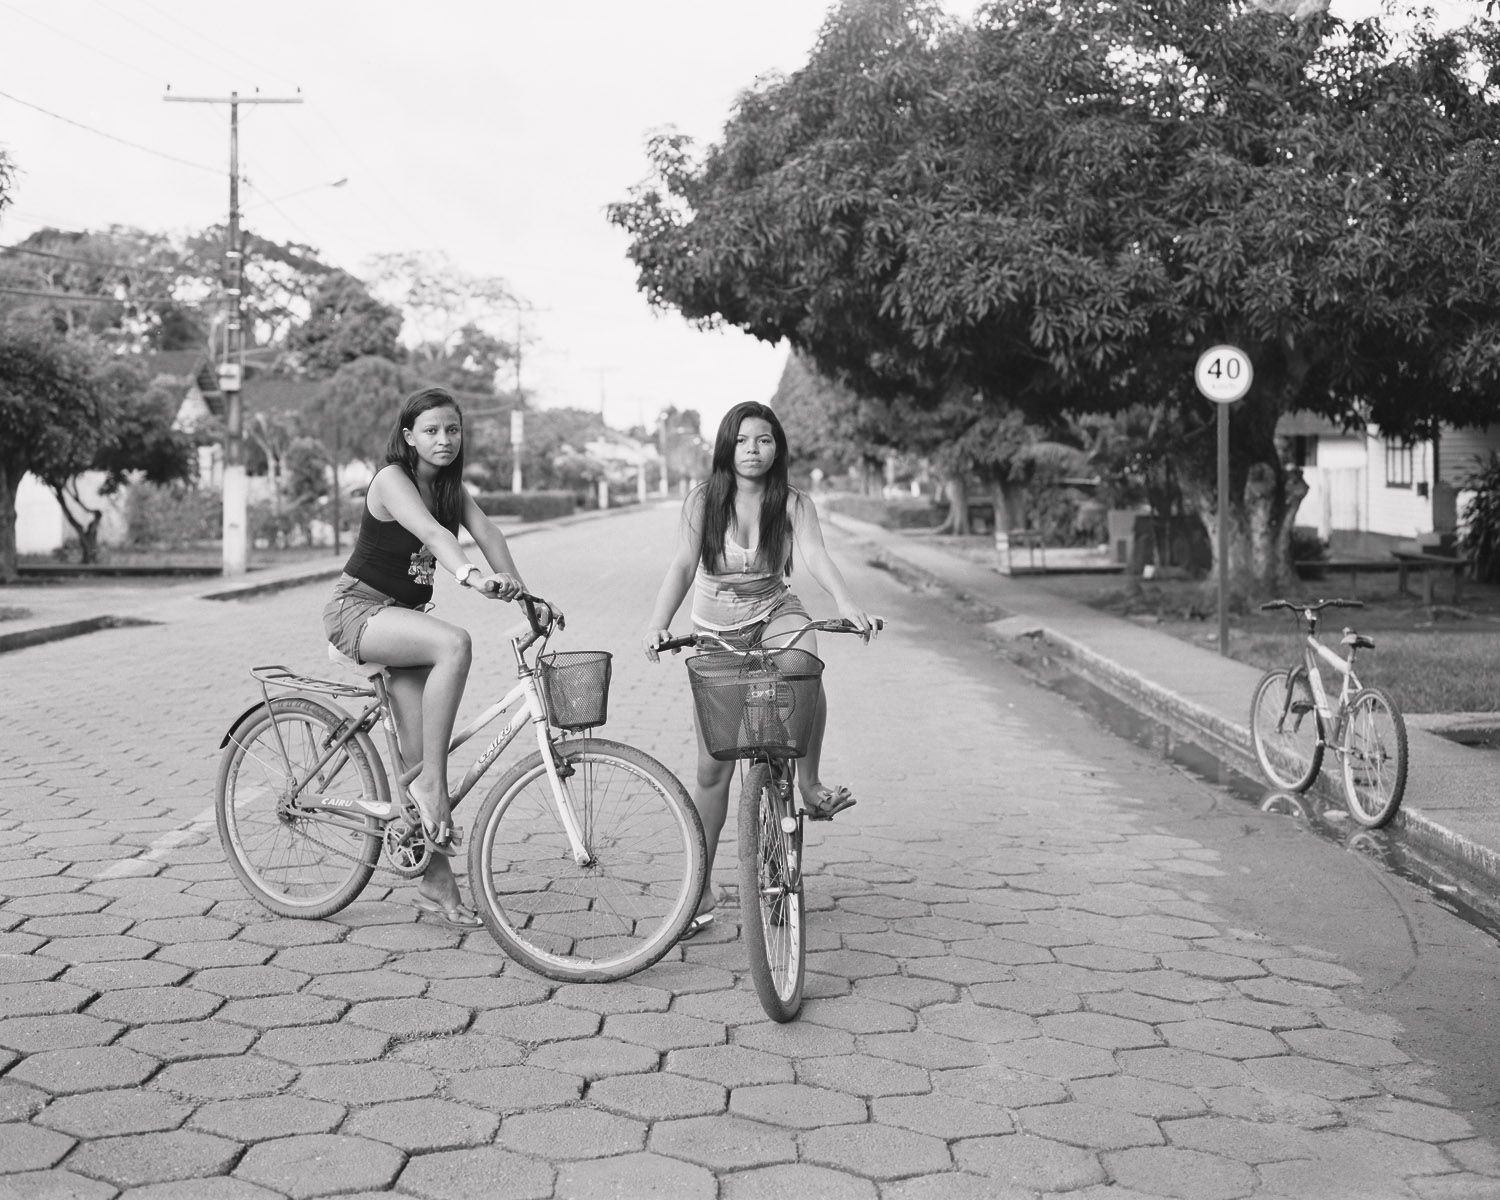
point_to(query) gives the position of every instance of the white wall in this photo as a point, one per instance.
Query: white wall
(41, 527)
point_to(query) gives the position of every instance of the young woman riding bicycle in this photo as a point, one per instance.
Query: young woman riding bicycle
(412, 513)
(735, 548)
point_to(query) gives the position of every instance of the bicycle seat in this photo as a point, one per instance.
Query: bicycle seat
(339, 659)
(1357, 640)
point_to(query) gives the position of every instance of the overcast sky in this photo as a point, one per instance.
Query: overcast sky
(492, 130)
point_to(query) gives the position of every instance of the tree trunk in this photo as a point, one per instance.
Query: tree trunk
(1260, 531)
(957, 491)
(1009, 505)
(10, 484)
(87, 529)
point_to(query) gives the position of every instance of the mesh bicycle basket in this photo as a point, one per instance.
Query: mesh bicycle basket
(760, 703)
(575, 684)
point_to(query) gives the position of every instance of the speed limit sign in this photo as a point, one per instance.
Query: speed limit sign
(1223, 373)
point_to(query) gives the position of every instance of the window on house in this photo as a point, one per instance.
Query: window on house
(1399, 458)
(1305, 450)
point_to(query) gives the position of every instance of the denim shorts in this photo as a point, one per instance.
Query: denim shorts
(349, 610)
(747, 637)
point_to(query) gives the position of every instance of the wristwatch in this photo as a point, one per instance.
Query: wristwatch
(467, 572)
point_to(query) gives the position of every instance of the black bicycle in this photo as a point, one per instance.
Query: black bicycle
(758, 706)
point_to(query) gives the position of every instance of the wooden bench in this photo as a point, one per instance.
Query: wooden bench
(1426, 565)
(1007, 542)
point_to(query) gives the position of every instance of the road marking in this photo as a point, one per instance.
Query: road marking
(159, 847)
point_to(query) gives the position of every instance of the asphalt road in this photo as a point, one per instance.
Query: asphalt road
(1045, 962)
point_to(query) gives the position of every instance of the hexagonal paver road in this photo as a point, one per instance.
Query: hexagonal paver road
(1020, 985)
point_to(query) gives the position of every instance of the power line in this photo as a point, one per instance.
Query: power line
(123, 141)
(80, 298)
(91, 262)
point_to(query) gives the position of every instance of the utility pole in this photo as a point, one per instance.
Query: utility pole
(232, 368)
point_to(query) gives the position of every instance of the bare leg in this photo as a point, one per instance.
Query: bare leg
(406, 639)
(809, 778)
(711, 799)
(405, 684)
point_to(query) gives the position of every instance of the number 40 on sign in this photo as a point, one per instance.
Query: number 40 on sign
(1223, 374)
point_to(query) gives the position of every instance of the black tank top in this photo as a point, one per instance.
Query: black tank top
(393, 560)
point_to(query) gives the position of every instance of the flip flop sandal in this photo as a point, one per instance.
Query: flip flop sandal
(441, 836)
(460, 916)
(696, 926)
(830, 801)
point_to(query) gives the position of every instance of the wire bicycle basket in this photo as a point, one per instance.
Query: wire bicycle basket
(575, 686)
(757, 704)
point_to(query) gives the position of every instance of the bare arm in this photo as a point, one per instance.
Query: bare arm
(819, 564)
(491, 541)
(680, 571)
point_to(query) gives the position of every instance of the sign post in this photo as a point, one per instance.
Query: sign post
(517, 440)
(1223, 375)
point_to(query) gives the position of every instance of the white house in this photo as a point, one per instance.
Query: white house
(1366, 491)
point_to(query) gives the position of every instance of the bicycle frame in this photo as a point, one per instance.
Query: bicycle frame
(526, 692)
(1313, 652)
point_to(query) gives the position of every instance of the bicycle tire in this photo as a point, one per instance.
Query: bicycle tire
(1288, 745)
(772, 915)
(307, 866)
(1373, 748)
(620, 913)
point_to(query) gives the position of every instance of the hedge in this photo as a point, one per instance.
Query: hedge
(529, 506)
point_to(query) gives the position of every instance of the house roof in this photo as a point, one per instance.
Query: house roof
(1306, 424)
(278, 393)
(192, 367)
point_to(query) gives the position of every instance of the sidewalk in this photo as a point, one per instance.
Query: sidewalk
(1449, 818)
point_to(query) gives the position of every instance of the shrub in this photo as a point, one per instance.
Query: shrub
(1307, 546)
(1481, 519)
(173, 515)
(529, 506)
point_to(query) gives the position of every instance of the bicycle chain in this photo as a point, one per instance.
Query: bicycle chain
(404, 843)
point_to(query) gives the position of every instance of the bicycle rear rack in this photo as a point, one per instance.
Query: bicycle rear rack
(284, 677)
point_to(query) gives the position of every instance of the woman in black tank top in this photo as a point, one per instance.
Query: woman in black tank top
(413, 509)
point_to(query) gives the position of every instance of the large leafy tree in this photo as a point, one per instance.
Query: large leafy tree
(454, 319)
(51, 412)
(1057, 207)
(134, 440)
(356, 407)
(125, 287)
(345, 322)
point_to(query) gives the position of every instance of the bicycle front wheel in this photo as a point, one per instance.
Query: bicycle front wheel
(772, 918)
(304, 856)
(628, 902)
(1374, 753)
(1286, 730)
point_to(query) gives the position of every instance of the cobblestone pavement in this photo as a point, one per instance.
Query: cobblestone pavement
(1021, 987)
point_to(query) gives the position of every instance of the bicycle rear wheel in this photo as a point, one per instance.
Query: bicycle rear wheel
(629, 903)
(1286, 730)
(772, 918)
(1374, 752)
(309, 857)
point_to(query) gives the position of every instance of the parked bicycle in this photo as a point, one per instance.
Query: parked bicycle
(1293, 721)
(758, 706)
(586, 858)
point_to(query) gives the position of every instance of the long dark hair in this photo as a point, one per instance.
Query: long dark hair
(448, 484)
(775, 542)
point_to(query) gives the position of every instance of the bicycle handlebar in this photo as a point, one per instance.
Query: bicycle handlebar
(1311, 605)
(834, 625)
(529, 603)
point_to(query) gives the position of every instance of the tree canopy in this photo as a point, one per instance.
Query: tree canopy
(1058, 206)
(345, 322)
